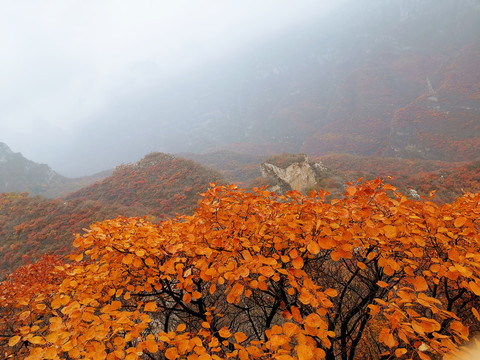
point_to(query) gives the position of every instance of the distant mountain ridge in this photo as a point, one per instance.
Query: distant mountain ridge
(19, 174)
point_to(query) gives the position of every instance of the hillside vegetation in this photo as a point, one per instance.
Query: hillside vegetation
(449, 179)
(158, 186)
(162, 183)
(31, 226)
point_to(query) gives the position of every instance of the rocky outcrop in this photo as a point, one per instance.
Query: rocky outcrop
(292, 172)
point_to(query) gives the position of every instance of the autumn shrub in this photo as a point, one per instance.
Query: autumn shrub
(252, 275)
(24, 304)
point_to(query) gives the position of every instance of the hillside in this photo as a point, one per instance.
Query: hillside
(19, 174)
(443, 123)
(162, 184)
(31, 226)
(449, 179)
(158, 186)
(236, 168)
(422, 176)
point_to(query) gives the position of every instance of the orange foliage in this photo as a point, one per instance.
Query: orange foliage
(24, 299)
(259, 276)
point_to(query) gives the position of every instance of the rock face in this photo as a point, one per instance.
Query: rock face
(293, 173)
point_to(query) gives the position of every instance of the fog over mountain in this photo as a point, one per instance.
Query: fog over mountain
(87, 87)
(67, 66)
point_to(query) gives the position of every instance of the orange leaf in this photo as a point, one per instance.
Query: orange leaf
(476, 314)
(420, 283)
(50, 353)
(243, 354)
(38, 340)
(389, 340)
(115, 305)
(374, 309)
(335, 255)
(289, 329)
(390, 231)
(304, 352)
(314, 320)
(266, 271)
(151, 346)
(150, 306)
(400, 352)
(183, 346)
(430, 325)
(225, 333)
(459, 328)
(382, 284)
(278, 340)
(87, 316)
(297, 262)
(423, 356)
(212, 289)
(237, 290)
(453, 254)
(460, 221)
(313, 248)
(14, 340)
(181, 327)
(474, 287)
(171, 353)
(296, 314)
(127, 259)
(240, 337)
(331, 292)
(351, 190)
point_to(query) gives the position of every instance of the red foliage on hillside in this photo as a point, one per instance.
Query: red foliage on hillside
(449, 180)
(162, 183)
(32, 226)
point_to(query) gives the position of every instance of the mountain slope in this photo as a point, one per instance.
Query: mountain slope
(162, 184)
(157, 186)
(444, 123)
(32, 226)
(18, 174)
(236, 168)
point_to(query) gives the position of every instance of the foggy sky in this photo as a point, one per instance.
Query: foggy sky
(64, 61)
